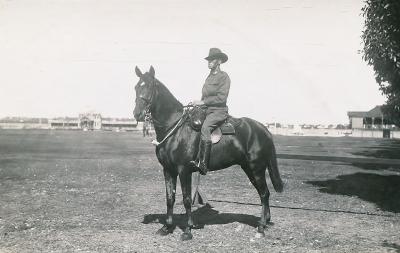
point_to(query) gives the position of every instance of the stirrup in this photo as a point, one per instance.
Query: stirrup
(203, 169)
(195, 164)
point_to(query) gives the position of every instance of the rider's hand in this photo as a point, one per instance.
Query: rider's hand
(198, 102)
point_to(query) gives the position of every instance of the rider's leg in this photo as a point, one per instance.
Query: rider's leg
(204, 156)
(201, 161)
(210, 123)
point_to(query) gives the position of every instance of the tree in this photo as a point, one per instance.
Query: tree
(381, 37)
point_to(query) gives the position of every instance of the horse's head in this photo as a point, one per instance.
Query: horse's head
(145, 91)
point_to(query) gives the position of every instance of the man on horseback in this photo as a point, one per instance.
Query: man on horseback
(252, 148)
(214, 96)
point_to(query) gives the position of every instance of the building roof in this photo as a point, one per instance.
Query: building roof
(375, 112)
(357, 114)
(63, 119)
(117, 119)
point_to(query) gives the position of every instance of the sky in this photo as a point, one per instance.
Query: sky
(290, 61)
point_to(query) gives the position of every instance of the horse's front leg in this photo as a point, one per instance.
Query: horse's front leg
(170, 186)
(186, 185)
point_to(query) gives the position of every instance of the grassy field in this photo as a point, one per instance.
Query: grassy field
(73, 191)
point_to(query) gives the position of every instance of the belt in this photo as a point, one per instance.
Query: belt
(217, 105)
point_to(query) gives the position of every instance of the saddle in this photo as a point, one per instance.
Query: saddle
(197, 116)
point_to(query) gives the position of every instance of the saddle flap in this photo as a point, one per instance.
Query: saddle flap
(216, 135)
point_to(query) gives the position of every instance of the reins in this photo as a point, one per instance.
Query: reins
(176, 125)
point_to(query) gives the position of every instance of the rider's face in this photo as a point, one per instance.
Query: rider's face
(212, 64)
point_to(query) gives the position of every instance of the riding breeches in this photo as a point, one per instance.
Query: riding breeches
(215, 116)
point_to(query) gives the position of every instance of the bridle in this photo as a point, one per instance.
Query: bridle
(149, 101)
(148, 118)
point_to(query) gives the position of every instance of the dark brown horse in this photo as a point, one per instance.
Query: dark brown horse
(251, 147)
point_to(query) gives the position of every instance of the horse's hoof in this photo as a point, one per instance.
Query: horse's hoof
(259, 235)
(261, 229)
(186, 236)
(165, 230)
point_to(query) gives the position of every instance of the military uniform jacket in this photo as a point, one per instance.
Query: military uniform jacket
(215, 90)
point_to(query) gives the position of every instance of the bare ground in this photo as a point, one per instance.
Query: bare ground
(66, 191)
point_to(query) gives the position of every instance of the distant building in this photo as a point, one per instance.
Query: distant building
(93, 121)
(90, 121)
(372, 124)
(23, 123)
(85, 121)
(64, 123)
(372, 119)
(118, 124)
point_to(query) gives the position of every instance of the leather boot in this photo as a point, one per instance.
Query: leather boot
(205, 150)
(195, 164)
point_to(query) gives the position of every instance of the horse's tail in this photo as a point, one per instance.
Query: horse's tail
(273, 170)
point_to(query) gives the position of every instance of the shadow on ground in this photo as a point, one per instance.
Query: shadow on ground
(385, 149)
(205, 215)
(393, 246)
(377, 166)
(389, 149)
(384, 191)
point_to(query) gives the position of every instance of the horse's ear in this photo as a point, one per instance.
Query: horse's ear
(152, 72)
(138, 72)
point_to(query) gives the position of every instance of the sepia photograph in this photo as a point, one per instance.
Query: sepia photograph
(199, 126)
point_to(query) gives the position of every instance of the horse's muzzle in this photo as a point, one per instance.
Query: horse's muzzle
(139, 116)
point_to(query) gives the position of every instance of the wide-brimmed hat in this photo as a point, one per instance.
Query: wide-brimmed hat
(216, 53)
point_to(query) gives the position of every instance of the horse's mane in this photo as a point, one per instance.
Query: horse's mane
(166, 94)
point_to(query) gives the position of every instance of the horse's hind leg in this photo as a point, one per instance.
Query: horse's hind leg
(170, 186)
(256, 174)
